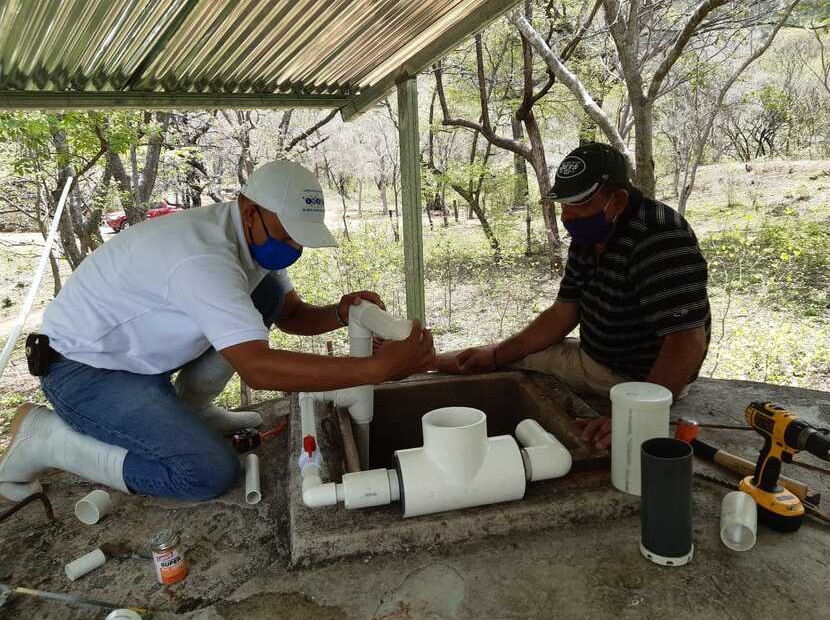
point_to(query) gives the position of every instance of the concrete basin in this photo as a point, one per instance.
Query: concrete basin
(584, 495)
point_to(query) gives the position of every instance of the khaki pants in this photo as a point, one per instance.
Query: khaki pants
(572, 366)
(576, 369)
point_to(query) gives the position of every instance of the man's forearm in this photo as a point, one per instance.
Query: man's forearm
(308, 320)
(547, 329)
(290, 371)
(680, 357)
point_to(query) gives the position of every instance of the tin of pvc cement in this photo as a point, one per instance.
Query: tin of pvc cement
(666, 504)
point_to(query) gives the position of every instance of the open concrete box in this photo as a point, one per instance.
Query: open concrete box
(507, 398)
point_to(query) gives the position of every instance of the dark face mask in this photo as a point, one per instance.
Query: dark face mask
(273, 254)
(591, 229)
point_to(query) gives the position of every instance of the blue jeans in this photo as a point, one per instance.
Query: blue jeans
(171, 452)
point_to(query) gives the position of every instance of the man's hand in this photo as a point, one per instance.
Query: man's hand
(477, 359)
(596, 431)
(353, 299)
(400, 358)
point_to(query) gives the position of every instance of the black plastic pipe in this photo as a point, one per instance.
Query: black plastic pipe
(666, 501)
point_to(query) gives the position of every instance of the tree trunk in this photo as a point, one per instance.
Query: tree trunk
(429, 206)
(125, 187)
(540, 167)
(394, 224)
(644, 177)
(384, 201)
(149, 173)
(521, 198)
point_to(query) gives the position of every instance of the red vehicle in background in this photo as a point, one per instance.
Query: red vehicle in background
(117, 220)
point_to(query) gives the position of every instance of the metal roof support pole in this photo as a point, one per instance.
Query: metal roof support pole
(413, 242)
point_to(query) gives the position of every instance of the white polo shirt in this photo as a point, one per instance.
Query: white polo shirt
(158, 295)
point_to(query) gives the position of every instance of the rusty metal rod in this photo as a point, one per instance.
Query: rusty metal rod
(47, 506)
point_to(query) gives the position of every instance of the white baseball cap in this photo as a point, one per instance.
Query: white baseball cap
(294, 194)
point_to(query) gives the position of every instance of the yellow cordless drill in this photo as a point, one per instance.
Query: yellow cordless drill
(784, 435)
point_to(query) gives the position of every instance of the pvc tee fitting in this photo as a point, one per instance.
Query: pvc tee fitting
(458, 465)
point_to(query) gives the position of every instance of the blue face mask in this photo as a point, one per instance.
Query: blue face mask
(592, 229)
(273, 254)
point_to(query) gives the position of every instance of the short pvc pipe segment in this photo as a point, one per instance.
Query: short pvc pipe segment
(85, 564)
(253, 494)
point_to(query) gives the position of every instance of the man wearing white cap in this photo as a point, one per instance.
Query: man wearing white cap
(195, 291)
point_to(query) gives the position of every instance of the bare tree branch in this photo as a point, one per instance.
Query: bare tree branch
(305, 134)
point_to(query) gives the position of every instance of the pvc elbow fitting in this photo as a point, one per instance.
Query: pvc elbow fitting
(544, 457)
(379, 321)
(319, 495)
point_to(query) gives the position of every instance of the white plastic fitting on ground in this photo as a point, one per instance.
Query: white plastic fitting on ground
(543, 455)
(85, 564)
(458, 465)
(252, 488)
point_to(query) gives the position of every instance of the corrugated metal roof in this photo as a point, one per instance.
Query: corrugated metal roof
(329, 50)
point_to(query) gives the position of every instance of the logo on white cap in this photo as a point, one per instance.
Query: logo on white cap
(570, 167)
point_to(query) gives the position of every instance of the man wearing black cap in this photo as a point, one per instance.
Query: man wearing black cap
(634, 284)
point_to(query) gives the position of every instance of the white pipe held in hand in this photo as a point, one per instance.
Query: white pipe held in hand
(543, 455)
(252, 489)
(380, 322)
(85, 564)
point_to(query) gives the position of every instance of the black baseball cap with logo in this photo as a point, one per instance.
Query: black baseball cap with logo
(587, 168)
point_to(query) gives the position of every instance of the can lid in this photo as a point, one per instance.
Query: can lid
(641, 394)
(164, 539)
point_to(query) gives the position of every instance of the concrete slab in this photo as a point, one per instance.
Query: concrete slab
(240, 560)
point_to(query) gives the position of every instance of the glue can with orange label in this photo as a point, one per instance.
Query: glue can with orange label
(171, 567)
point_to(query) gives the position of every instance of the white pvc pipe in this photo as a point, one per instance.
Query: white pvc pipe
(639, 411)
(543, 455)
(33, 287)
(85, 564)
(365, 319)
(361, 431)
(252, 489)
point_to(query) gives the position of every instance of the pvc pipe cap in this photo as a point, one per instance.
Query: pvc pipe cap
(642, 395)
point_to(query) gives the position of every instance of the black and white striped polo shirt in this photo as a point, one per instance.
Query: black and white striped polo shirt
(649, 282)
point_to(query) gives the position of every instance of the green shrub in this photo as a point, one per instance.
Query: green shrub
(787, 265)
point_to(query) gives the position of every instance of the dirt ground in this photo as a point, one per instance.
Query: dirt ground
(239, 554)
